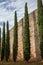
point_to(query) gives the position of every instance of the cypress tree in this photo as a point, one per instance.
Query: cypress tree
(3, 43)
(0, 42)
(7, 45)
(15, 42)
(26, 35)
(40, 24)
(0, 36)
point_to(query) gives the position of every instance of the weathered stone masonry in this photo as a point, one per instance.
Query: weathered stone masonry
(34, 40)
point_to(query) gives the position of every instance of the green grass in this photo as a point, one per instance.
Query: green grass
(21, 63)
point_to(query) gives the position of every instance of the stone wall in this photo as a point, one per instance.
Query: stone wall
(34, 41)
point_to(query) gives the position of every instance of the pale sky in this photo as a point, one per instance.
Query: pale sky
(8, 7)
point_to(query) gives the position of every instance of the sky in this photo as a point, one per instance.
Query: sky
(8, 7)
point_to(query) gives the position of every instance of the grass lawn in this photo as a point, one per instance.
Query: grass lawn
(22, 63)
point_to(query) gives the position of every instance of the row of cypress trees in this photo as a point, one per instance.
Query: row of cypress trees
(5, 51)
(26, 35)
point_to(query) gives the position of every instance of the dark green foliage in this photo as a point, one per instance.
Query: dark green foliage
(26, 35)
(3, 43)
(0, 42)
(40, 24)
(15, 42)
(7, 45)
(0, 37)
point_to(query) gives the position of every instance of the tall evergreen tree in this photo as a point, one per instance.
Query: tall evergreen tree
(3, 43)
(26, 35)
(0, 36)
(15, 42)
(0, 42)
(7, 45)
(40, 24)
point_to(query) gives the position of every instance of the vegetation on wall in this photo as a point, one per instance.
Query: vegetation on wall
(26, 35)
(15, 42)
(40, 24)
(3, 43)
